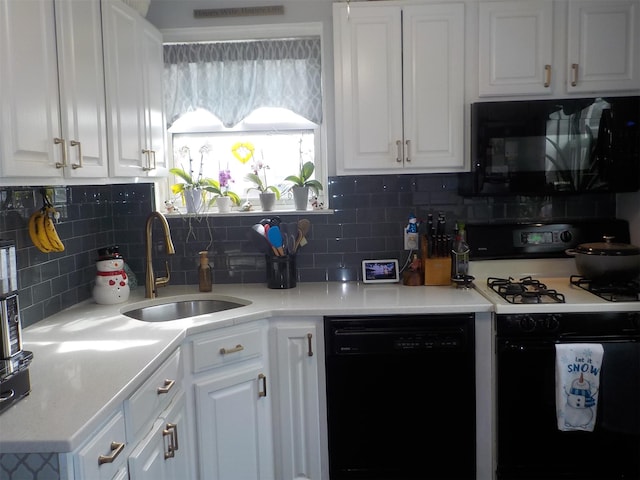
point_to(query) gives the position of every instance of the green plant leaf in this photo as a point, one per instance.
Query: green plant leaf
(307, 171)
(274, 190)
(182, 174)
(314, 185)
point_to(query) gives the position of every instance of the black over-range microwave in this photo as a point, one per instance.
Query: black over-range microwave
(560, 146)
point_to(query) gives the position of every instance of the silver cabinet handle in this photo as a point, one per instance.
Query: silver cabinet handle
(75, 143)
(116, 449)
(168, 385)
(574, 72)
(408, 142)
(60, 141)
(399, 156)
(547, 76)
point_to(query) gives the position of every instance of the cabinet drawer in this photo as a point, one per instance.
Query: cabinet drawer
(153, 396)
(226, 346)
(104, 454)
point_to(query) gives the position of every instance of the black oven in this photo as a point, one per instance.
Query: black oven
(530, 446)
(543, 147)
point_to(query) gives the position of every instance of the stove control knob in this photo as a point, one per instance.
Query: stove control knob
(566, 236)
(527, 323)
(551, 323)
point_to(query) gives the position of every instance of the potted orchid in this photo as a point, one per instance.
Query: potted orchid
(268, 193)
(302, 183)
(195, 187)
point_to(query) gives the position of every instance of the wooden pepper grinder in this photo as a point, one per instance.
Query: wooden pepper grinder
(204, 273)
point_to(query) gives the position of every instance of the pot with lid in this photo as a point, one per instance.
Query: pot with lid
(607, 260)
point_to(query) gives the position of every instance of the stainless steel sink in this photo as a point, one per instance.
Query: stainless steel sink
(182, 309)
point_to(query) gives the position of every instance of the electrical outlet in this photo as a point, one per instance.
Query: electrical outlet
(410, 240)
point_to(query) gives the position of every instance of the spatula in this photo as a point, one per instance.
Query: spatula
(275, 237)
(304, 225)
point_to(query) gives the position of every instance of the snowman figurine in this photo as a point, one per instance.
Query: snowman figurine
(112, 284)
(580, 400)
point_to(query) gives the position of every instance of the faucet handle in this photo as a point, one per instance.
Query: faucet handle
(162, 281)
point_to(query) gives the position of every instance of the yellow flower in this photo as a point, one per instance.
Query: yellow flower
(243, 151)
(177, 188)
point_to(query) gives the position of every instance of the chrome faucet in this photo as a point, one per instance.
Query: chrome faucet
(151, 282)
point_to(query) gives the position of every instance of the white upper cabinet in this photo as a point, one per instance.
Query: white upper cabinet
(399, 76)
(133, 65)
(516, 47)
(547, 47)
(53, 121)
(603, 45)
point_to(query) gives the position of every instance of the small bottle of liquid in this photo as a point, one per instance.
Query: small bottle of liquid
(204, 273)
(460, 254)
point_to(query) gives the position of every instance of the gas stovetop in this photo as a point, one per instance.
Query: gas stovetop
(613, 291)
(526, 290)
(523, 268)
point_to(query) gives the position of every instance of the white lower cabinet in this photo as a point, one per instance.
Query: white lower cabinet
(164, 453)
(297, 350)
(103, 456)
(232, 398)
(158, 427)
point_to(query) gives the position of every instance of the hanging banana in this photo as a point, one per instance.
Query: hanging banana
(35, 231)
(42, 229)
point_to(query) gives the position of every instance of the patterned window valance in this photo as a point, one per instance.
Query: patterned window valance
(231, 79)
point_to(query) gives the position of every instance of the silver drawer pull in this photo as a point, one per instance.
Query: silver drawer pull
(168, 384)
(116, 449)
(237, 348)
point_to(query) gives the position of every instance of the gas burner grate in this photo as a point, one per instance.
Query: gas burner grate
(614, 291)
(526, 290)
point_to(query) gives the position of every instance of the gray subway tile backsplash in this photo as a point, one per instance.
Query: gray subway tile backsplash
(369, 214)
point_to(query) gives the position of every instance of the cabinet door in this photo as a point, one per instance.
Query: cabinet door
(603, 45)
(103, 456)
(234, 426)
(368, 74)
(298, 412)
(154, 118)
(82, 96)
(515, 47)
(433, 102)
(30, 115)
(163, 453)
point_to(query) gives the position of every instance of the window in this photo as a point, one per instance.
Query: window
(236, 106)
(270, 142)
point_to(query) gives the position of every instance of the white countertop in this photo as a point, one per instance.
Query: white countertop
(89, 358)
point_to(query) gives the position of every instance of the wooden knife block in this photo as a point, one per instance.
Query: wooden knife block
(437, 271)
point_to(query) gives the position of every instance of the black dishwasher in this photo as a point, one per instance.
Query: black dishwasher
(401, 397)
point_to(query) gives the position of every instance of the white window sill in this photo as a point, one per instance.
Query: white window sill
(254, 211)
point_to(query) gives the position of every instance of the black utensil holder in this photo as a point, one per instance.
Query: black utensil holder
(281, 271)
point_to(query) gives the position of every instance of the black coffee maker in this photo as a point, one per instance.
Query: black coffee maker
(14, 361)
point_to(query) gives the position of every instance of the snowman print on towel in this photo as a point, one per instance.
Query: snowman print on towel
(581, 398)
(112, 285)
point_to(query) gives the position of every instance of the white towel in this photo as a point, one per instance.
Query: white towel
(577, 383)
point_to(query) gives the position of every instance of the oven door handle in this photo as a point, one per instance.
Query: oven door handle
(546, 344)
